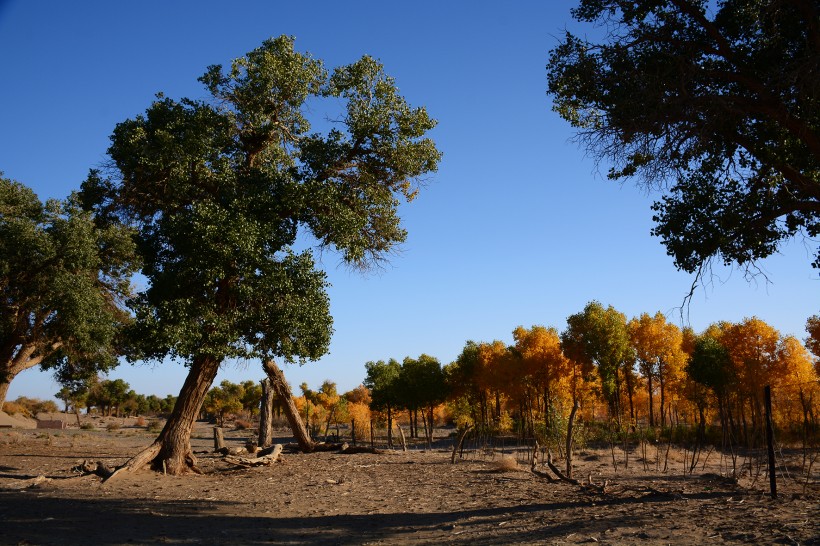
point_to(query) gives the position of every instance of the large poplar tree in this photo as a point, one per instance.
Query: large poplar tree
(219, 189)
(716, 104)
(63, 281)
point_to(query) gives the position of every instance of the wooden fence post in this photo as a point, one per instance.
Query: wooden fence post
(767, 392)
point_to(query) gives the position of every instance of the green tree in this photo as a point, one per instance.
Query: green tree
(718, 100)
(223, 400)
(218, 191)
(383, 381)
(599, 337)
(421, 386)
(62, 280)
(710, 365)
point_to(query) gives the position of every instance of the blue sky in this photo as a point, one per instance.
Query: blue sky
(518, 227)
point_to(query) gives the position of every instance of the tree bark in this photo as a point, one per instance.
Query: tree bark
(219, 439)
(175, 439)
(282, 389)
(21, 361)
(171, 451)
(266, 414)
(4, 389)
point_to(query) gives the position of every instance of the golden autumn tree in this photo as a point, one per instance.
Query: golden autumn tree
(358, 412)
(658, 346)
(542, 366)
(754, 351)
(799, 393)
(495, 375)
(813, 341)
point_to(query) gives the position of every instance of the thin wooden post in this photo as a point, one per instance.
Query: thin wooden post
(219, 442)
(767, 392)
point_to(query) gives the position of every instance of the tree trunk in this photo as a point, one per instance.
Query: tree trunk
(570, 426)
(282, 390)
(171, 451)
(389, 427)
(21, 361)
(175, 439)
(651, 402)
(663, 403)
(266, 414)
(4, 389)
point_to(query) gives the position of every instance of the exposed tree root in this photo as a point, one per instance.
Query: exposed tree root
(136, 462)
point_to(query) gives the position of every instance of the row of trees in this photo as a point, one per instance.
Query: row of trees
(640, 372)
(112, 397)
(206, 198)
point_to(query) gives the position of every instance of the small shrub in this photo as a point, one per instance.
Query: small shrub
(140, 421)
(12, 408)
(505, 464)
(87, 426)
(155, 425)
(240, 424)
(113, 426)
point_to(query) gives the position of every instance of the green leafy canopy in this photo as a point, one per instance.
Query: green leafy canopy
(714, 103)
(218, 190)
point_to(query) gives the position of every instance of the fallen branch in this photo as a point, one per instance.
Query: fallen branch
(31, 482)
(558, 472)
(352, 450)
(265, 460)
(534, 466)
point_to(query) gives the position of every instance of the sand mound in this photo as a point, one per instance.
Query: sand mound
(16, 421)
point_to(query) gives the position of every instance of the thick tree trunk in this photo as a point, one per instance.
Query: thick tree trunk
(175, 453)
(171, 451)
(282, 390)
(266, 414)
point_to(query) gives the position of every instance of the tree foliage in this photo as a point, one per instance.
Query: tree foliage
(718, 100)
(219, 189)
(598, 337)
(63, 279)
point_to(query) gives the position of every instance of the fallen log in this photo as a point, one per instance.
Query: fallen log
(265, 460)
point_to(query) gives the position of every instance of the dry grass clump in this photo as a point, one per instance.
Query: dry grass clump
(505, 464)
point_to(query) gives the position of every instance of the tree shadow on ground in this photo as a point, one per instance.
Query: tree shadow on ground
(34, 517)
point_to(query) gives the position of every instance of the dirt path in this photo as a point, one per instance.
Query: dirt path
(394, 498)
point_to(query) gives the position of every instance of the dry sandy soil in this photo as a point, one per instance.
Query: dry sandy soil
(393, 498)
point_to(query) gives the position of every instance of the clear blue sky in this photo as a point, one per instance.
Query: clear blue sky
(516, 228)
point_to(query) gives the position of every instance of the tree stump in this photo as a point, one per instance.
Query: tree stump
(219, 441)
(266, 414)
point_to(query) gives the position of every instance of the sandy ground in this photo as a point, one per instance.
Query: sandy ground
(397, 497)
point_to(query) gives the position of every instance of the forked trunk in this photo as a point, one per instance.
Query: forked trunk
(282, 390)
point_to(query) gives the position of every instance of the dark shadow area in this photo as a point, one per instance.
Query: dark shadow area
(33, 517)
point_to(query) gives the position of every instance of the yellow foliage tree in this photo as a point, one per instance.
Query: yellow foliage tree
(658, 346)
